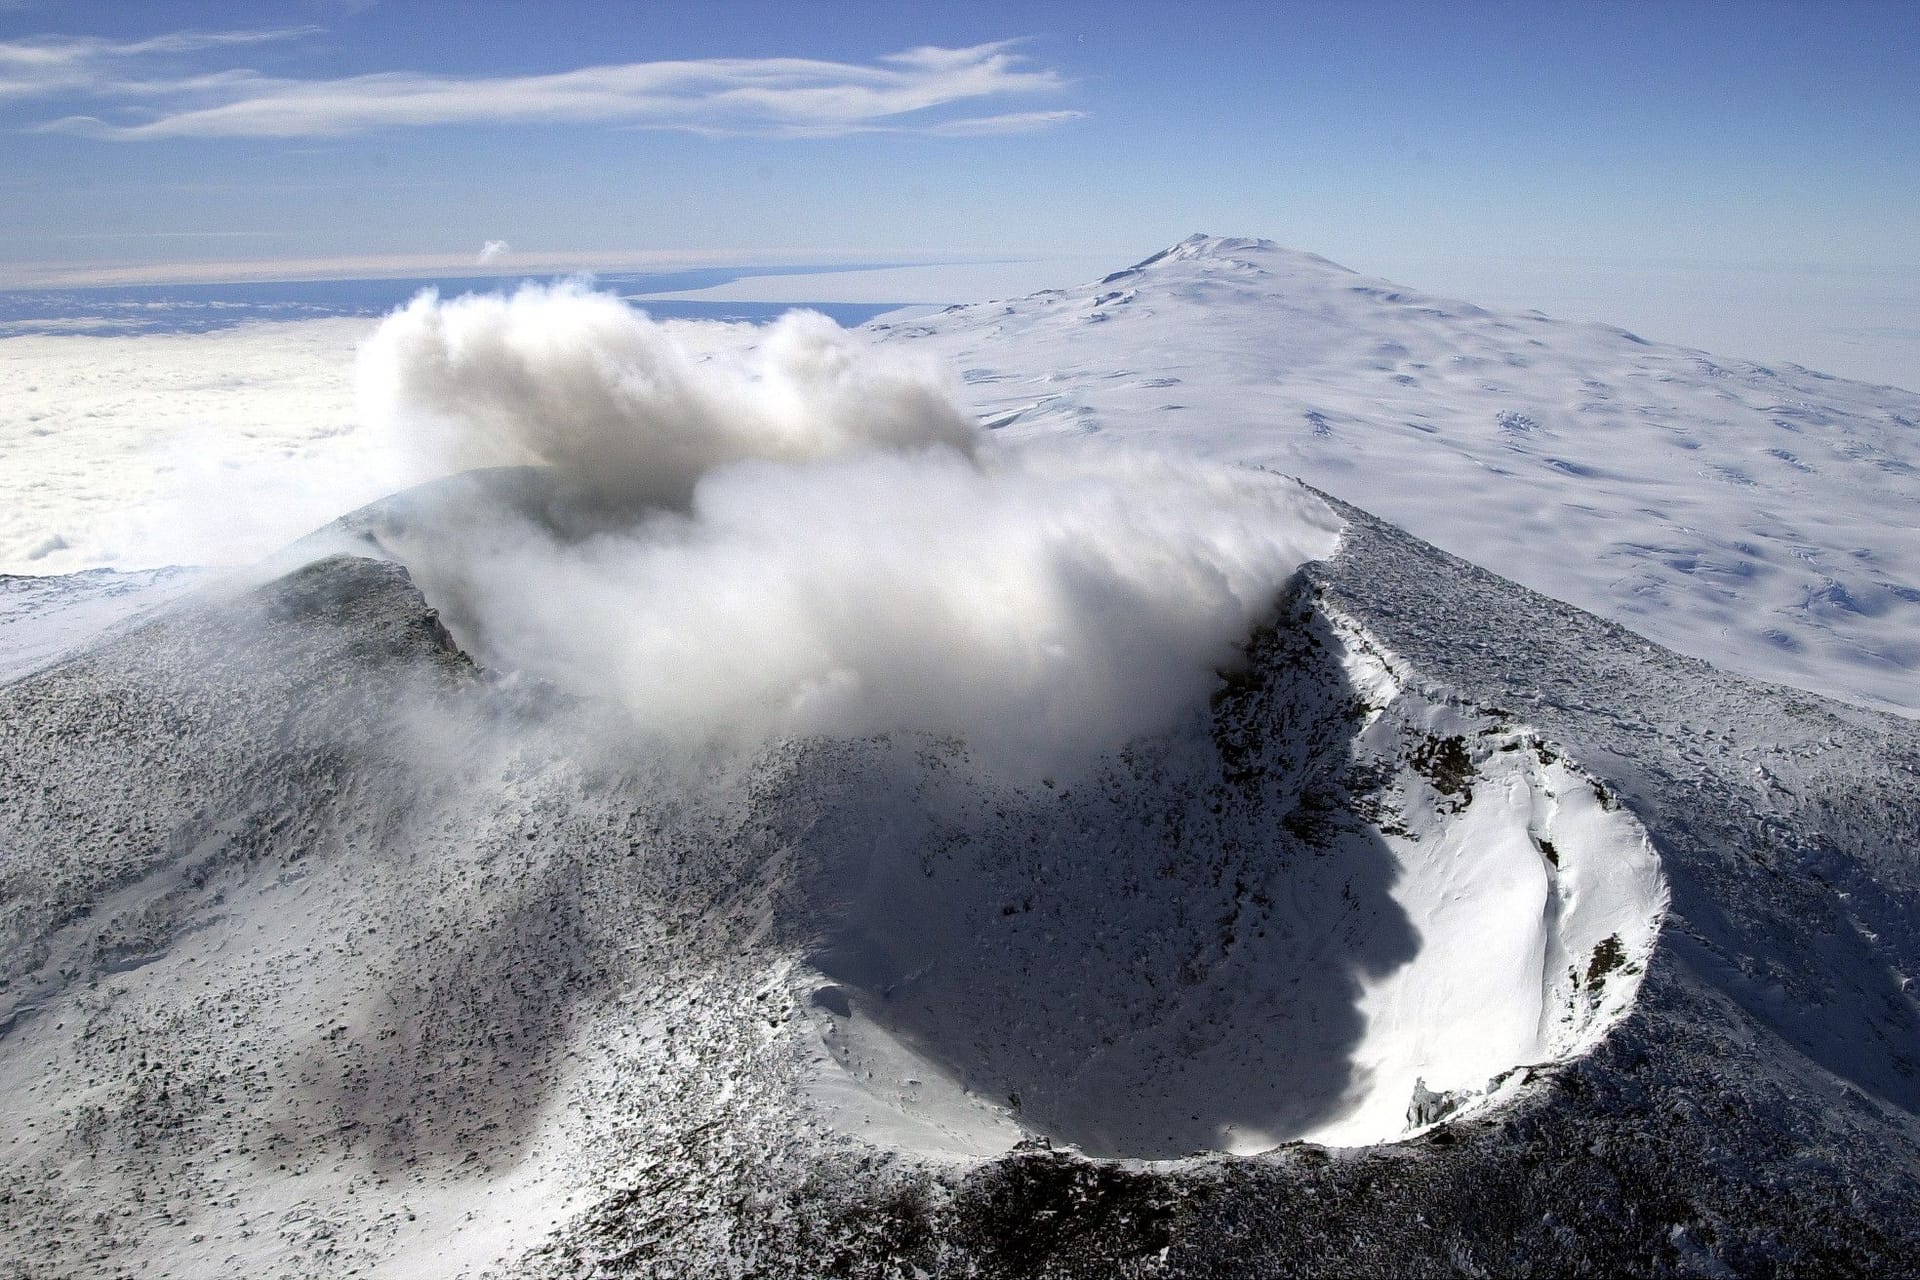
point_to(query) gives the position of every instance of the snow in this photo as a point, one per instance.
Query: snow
(46, 619)
(1760, 518)
(1507, 933)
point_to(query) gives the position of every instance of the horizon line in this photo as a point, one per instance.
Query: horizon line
(21, 276)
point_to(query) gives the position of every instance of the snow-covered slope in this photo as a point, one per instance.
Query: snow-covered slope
(44, 619)
(1760, 518)
(326, 950)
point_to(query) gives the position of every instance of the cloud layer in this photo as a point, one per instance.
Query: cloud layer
(815, 541)
(150, 98)
(179, 448)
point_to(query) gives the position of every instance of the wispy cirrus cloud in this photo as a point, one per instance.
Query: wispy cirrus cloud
(923, 90)
(1011, 122)
(50, 66)
(954, 127)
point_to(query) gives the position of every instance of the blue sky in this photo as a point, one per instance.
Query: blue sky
(1740, 132)
(141, 136)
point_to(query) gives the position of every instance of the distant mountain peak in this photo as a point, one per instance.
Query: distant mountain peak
(1242, 251)
(1202, 245)
(1561, 451)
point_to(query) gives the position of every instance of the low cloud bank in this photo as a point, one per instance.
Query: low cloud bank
(811, 537)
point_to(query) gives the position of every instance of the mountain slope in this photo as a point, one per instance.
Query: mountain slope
(43, 619)
(391, 965)
(1756, 517)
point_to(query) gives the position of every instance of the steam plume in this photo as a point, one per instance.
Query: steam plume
(815, 540)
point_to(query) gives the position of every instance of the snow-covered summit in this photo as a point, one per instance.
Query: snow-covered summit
(1239, 252)
(1735, 511)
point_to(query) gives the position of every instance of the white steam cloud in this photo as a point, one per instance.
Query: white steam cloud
(491, 251)
(580, 381)
(808, 537)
